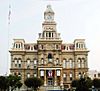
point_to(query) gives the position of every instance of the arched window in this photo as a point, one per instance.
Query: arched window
(19, 74)
(79, 62)
(19, 45)
(42, 61)
(28, 62)
(65, 77)
(57, 47)
(15, 62)
(71, 75)
(76, 45)
(64, 63)
(19, 62)
(35, 61)
(49, 34)
(41, 72)
(71, 63)
(50, 57)
(83, 63)
(57, 61)
(68, 64)
(28, 75)
(80, 75)
(16, 45)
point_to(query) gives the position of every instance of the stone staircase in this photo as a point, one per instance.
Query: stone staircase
(50, 88)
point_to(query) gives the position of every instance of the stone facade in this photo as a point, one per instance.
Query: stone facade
(57, 63)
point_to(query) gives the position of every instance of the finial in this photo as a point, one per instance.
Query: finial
(48, 6)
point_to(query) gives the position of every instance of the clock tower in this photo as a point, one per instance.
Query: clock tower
(49, 26)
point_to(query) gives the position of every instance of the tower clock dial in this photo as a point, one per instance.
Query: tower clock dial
(49, 17)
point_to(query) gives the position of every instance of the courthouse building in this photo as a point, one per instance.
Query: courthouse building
(57, 63)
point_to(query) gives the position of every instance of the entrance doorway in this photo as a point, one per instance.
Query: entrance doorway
(50, 81)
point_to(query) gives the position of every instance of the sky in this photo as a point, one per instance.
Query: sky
(75, 19)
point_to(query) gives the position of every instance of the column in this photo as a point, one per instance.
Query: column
(44, 35)
(55, 81)
(61, 80)
(48, 34)
(45, 78)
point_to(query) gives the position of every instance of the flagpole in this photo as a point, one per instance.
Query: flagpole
(9, 18)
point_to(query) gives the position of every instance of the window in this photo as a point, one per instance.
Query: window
(58, 72)
(15, 62)
(71, 75)
(52, 34)
(94, 75)
(28, 75)
(57, 61)
(79, 63)
(35, 75)
(57, 47)
(50, 57)
(35, 47)
(81, 45)
(71, 63)
(35, 62)
(19, 63)
(46, 34)
(64, 63)
(80, 75)
(98, 74)
(28, 63)
(49, 34)
(68, 64)
(19, 74)
(77, 45)
(42, 61)
(83, 63)
(41, 72)
(19, 45)
(35, 67)
(16, 45)
(42, 46)
(64, 77)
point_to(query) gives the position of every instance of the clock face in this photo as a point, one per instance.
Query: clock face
(49, 17)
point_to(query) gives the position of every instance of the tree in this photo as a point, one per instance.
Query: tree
(83, 84)
(96, 83)
(19, 84)
(14, 82)
(75, 83)
(3, 83)
(33, 83)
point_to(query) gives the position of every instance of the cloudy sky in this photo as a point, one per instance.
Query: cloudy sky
(75, 19)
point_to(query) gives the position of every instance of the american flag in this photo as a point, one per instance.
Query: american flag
(50, 73)
(9, 14)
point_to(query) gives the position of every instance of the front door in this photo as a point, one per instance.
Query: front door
(50, 81)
